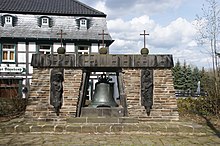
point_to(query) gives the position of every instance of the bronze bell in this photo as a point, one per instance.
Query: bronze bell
(103, 96)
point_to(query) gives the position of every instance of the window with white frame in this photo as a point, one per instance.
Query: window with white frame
(8, 20)
(45, 49)
(45, 21)
(83, 23)
(83, 50)
(8, 53)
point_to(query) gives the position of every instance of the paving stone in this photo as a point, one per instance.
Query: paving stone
(158, 127)
(59, 128)
(128, 120)
(36, 128)
(103, 128)
(73, 128)
(130, 128)
(172, 128)
(146, 141)
(88, 129)
(144, 128)
(201, 129)
(48, 128)
(23, 129)
(116, 128)
(8, 129)
(186, 128)
(77, 120)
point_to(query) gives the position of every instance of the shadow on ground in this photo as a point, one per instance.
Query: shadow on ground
(211, 126)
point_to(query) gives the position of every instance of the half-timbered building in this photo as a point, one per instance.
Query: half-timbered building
(42, 26)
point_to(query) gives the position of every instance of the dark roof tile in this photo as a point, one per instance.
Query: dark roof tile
(49, 7)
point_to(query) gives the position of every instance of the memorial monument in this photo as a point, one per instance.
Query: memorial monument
(144, 84)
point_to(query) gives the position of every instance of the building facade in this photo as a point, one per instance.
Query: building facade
(42, 26)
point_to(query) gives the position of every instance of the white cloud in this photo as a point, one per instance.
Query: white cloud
(131, 8)
(177, 38)
(130, 30)
(128, 18)
(177, 33)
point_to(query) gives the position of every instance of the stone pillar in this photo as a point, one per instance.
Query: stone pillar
(39, 108)
(165, 104)
(71, 84)
(132, 85)
(164, 100)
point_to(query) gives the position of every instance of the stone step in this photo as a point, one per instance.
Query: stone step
(102, 112)
(158, 128)
(102, 120)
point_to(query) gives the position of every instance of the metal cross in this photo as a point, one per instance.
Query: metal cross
(61, 37)
(144, 37)
(103, 35)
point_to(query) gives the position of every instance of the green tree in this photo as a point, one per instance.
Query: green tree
(196, 78)
(178, 76)
(189, 78)
(186, 78)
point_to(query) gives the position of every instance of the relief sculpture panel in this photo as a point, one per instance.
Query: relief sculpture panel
(147, 89)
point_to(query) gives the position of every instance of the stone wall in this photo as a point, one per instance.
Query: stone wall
(132, 85)
(39, 107)
(72, 83)
(164, 100)
(165, 104)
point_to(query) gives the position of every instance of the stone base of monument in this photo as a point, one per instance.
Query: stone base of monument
(102, 112)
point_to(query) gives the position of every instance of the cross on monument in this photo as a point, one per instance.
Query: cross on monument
(103, 35)
(61, 37)
(144, 37)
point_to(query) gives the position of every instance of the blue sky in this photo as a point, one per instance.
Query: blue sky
(169, 22)
(188, 10)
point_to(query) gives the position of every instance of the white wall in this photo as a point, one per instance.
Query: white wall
(21, 46)
(70, 48)
(94, 48)
(30, 69)
(55, 47)
(32, 47)
(21, 57)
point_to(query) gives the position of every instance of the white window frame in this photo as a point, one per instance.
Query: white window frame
(45, 50)
(83, 23)
(8, 20)
(45, 21)
(9, 51)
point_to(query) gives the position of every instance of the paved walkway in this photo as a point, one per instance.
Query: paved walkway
(106, 139)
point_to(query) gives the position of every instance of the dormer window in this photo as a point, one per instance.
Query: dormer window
(83, 23)
(8, 20)
(45, 21)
